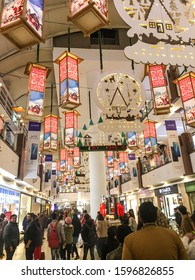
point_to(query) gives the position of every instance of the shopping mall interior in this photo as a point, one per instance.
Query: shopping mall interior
(96, 106)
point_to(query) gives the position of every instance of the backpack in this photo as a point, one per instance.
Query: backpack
(53, 236)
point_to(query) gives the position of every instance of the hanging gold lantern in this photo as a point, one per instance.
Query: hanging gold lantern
(50, 133)
(186, 84)
(159, 89)
(88, 15)
(36, 89)
(69, 80)
(22, 22)
(71, 128)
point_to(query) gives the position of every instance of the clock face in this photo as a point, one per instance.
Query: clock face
(119, 95)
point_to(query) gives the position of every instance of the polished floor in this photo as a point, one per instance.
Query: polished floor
(20, 252)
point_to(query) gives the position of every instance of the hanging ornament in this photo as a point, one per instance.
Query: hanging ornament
(71, 128)
(69, 80)
(159, 89)
(88, 15)
(120, 96)
(160, 31)
(22, 22)
(186, 84)
(150, 138)
(50, 133)
(36, 89)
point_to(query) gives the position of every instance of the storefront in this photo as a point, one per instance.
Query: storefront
(168, 198)
(9, 202)
(36, 205)
(146, 195)
(190, 190)
(25, 207)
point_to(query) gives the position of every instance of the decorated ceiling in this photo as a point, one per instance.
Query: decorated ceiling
(160, 31)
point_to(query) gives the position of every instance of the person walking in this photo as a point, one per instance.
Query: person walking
(11, 237)
(121, 232)
(30, 235)
(55, 235)
(152, 242)
(102, 232)
(77, 230)
(111, 243)
(69, 230)
(186, 223)
(132, 221)
(3, 223)
(88, 234)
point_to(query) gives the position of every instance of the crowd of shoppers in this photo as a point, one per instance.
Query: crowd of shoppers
(148, 237)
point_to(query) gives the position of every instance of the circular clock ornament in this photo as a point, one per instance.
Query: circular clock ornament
(119, 95)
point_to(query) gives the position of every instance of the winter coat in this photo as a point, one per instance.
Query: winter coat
(77, 225)
(85, 232)
(69, 231)
(11, 235)
(102, 229)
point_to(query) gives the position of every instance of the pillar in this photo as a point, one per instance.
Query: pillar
(97, 181)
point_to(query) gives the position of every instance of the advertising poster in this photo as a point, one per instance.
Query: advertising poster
(174, 145)
(32, 151)
(47, 175)
(12, 11)
(34, 14)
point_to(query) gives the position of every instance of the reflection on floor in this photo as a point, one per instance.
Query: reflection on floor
(20, 252)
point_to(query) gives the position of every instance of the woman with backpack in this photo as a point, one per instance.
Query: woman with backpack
(88, 234)
(55, 235)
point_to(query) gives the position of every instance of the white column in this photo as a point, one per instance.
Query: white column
(97, 181)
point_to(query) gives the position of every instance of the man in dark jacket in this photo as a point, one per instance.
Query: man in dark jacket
(88, 234)
(11, 237)
(30, 236)
(77, 229)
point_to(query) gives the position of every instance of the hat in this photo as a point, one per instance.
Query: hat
(68, 220)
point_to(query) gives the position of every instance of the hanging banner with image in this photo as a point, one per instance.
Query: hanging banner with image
(47, 180)
(32, 152)
(174, 146)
